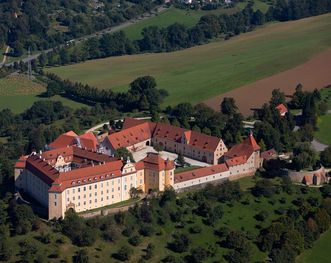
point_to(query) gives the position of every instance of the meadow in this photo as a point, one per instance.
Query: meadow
(320, 252)
(237, 216)
(186, 17)
(324, 122)
(201, 72)
(18, 93)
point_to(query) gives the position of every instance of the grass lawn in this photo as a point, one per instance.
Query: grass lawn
(169, 17)
(18, 93)
(212, 69)
(320, 252)
(324, 125)
(326, 96)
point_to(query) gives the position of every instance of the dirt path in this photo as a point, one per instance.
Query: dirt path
(315, 73)
(5, 56)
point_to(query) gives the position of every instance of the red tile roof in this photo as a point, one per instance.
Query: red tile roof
(169, 132)
(236, 161)
(250, 140)
(20, 164)
(155, 162)
(130, 136)
(64, 140)
(131, 122)
(200, 172)
(104, 167)
(282, 109)
(269, 154)
(195, 139)
(204, 142)
(87, 140)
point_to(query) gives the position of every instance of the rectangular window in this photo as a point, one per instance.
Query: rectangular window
(90, 187)
(101, 184)
(84, 188)
(73, 191)
(95, 200)
(95, 186)
(55, 196)
(78, 189)
(55, 203)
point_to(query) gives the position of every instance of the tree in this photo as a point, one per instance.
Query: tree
(264, 188)
(81, 257)
(124, 154)
(180, 159)
(124, 253)
(303, 156)
(228, 106)
(326, 157)
(277, 98)
(180, 243)
(322, 219)
(135, 192)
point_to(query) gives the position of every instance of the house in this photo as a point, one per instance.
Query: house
(137, 134)
(282, 109)
(87, 140)
(80, 179)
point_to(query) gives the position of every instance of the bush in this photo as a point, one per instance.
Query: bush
(123, 254)
(134, 241)
(262, 215)
(195, 229)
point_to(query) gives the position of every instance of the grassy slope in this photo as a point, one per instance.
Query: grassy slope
(324, 122)
(238, 216)
(215, 68)
(18, 93)
(170, 16)
(323, 134)
(320, 252)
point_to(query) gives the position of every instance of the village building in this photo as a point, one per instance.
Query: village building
(80, 179)
(137, 134)
(80, 176)
(282, 109)
(87, 141)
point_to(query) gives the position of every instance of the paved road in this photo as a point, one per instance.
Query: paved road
(145, 16)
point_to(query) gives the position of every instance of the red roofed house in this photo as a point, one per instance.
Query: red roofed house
(137, 134)
(87, 140)
(72, 177)
(243, 159)
(282, 109)
(201, 176)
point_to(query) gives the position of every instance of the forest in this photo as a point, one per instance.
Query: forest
(178, 36)
(42, 24)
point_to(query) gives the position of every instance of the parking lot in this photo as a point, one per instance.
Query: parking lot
(165, 155)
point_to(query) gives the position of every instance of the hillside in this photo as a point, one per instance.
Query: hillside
(215, 68)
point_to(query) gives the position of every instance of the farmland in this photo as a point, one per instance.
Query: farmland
(18, 93)
(215, 68)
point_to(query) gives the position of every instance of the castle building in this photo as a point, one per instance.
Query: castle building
(137, 134)
(80, 179)
(74, 174)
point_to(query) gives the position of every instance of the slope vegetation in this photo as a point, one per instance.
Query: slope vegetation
(199, 73)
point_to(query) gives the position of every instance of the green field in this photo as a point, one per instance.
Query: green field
(18, 93)
(171, 16)
(199, 73)
(320, 252)
(323, 134)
